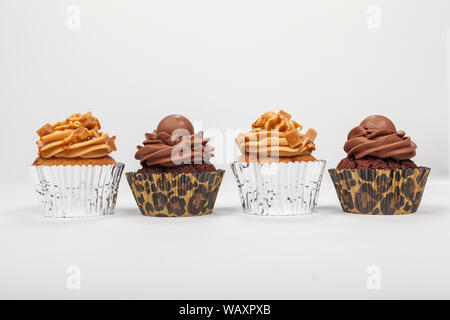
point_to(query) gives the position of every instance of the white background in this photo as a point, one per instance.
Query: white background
(222, 64)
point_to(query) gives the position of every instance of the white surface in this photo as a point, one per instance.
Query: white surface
(223, 63)
(227, 254)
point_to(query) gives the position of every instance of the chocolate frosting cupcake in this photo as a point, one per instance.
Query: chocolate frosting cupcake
(176, 179)
(175, 147)
(376, 144)
(378, 176)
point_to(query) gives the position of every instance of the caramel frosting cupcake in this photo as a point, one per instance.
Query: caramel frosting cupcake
(378, 175)
(177, 178)
(74, 174)
(276, 173)
(276, 138)
(75, 141)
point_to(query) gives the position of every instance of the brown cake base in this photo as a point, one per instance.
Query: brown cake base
(187, 168)
(254, 159)
(375, 163)
(73, 161)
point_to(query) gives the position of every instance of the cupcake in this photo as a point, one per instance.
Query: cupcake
(74, 174)
(378, 175)
(177, 178)
(276, 173)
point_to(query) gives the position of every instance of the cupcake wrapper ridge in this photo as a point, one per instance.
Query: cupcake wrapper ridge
(77, 191)
(279, 189)
(175, 194)
(379, 191)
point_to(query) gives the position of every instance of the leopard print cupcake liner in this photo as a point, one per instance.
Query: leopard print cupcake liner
(379, 191)
(175, 194)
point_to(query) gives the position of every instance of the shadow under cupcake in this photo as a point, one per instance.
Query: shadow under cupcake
(378, 176)
(176, 178)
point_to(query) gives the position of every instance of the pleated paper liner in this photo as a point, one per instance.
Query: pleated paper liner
(77, 191)
(279, 189)
(175, 194)
(379, 191)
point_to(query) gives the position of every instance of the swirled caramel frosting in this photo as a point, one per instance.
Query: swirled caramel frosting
(174, 144)
(275, 137)
(377, 137)
(76, 137)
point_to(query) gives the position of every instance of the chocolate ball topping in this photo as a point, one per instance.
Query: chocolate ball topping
(174, 122)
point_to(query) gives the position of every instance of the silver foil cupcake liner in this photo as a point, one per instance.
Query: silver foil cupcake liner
(279, 189)
(77, 191)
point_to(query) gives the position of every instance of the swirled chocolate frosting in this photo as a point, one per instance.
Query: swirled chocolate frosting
(377, 137)
(174, 144)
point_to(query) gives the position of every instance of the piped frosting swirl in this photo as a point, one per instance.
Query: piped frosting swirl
(76, 137)
(174, 143)
(275, 137)
(378, 137)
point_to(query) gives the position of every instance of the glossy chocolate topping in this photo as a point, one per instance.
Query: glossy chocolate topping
(174, 143)
(175, 122)
(377, 137)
